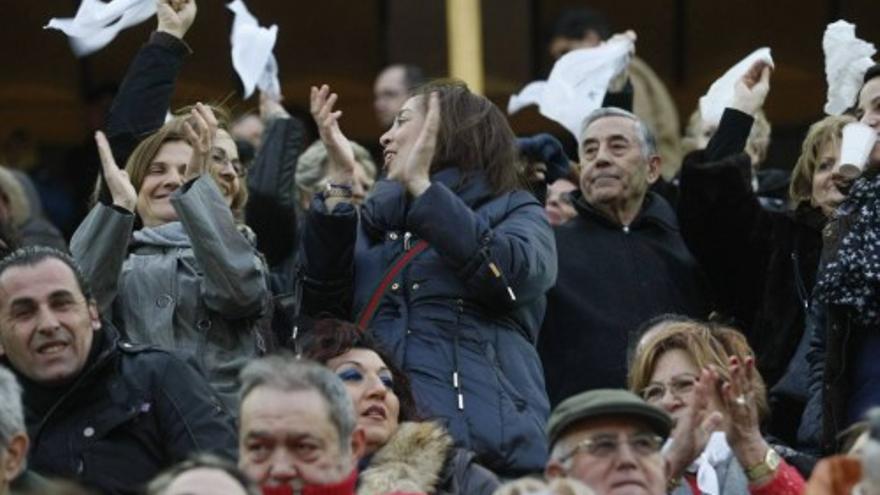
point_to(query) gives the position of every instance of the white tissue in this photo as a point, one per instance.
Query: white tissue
(96, 23)
(720, 94)
(846, 60)
(252, 52)
(577, 84)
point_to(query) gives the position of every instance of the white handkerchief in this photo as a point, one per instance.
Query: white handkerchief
(716, 452)
(846, 60)
(252, 52)
(577, 84)
(96, 23)
(720, 94)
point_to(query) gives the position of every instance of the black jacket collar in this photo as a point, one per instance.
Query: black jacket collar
(655, 211)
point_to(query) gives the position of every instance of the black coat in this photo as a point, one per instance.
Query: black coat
(611, 280)
(132, 412)
(761, 264)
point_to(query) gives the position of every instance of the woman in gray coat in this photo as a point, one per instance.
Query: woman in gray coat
(188, 280)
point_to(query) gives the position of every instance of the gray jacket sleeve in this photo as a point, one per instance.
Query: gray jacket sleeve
(100, 246)
(234, 283)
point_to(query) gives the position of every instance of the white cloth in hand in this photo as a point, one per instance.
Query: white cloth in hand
(847, 58)
(96, 23)
(717, 452)
(720, 94)
(577, 84)
(252, 55)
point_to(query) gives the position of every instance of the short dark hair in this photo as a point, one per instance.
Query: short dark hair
(413, 76)
(160, 483)
(32, 255)
(576, 23)
(329, 338)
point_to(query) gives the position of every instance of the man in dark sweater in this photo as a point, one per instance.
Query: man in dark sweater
(622, 260)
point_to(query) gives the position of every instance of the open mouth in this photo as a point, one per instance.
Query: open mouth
(389, 155)
(375, 412)
(51, 348)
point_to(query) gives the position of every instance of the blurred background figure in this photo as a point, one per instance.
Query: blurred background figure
(391, 90)
(586, 28)
(313, 173)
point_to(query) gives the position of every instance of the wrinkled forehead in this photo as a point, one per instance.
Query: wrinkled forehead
(611, 425)
(610, 125)
(33, 280)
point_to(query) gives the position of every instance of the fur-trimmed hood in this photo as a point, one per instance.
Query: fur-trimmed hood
(411, 461)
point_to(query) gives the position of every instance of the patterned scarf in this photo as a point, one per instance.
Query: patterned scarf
(851, 277)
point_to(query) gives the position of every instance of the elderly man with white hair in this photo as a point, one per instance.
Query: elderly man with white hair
(622, 260)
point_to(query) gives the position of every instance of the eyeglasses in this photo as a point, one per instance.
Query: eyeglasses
(219, 157)
(677, 386)
(604, 446)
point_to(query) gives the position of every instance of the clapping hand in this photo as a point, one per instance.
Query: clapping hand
(414, 171)
(751, 90)
(694, 428)
(121, 189)
(175, 16)
(200, 129)
(339, 151)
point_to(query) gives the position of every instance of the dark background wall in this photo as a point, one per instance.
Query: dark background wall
(345, 42)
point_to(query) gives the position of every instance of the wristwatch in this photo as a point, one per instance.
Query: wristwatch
(337, 191)
(769, 466)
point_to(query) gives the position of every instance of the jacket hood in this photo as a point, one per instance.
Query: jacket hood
(411, 461)
(655, 210)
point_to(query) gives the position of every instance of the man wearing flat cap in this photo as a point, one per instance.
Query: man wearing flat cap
(610, 440)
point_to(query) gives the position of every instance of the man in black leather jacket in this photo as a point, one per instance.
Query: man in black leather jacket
(104, 412)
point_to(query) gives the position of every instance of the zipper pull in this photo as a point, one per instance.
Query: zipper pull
(459, 396)
(406, 241)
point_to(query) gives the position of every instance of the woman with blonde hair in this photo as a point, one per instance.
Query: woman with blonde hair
(185, 278)
(762, 264)
(683, 360)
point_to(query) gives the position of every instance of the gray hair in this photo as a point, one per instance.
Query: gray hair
(647, 140)
(11, 413)
(311, 168)
(160, 484)
(286, 373)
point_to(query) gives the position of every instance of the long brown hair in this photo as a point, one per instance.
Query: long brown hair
(474, 135)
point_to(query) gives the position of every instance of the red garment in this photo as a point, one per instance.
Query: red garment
(344, 487)
(788, 481)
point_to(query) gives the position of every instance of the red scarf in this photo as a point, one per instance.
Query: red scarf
(344, 487)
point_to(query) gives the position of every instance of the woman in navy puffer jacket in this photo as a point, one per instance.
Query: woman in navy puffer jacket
(462, 314)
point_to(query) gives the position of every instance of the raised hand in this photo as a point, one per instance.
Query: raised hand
(120, 186)
(618, 82)
(340, 154)
(271, 108)
(693, 430)
(415, 170)
(175, 16)
(751, 90)
(200, 129)
(738, 396)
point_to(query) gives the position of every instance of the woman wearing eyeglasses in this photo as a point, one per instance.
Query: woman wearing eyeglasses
(688, 368)
(168, 261)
